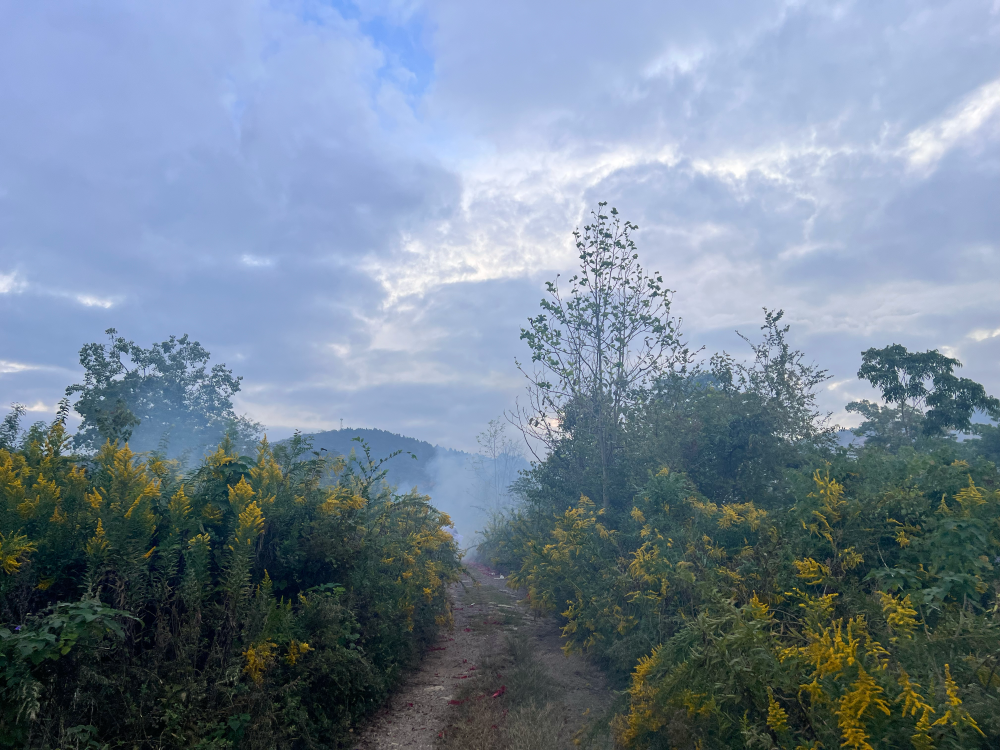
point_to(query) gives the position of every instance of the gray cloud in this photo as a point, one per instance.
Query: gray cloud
(354, 205)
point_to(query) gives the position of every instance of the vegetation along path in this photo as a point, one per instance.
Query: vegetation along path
(498, 679)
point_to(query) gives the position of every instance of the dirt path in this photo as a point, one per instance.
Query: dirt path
(433, 704)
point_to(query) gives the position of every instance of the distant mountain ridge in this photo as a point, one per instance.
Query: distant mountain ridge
(404, 471)
(454, 479)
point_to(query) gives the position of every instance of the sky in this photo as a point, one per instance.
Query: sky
(355, 205)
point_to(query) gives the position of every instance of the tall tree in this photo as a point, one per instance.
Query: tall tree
(596, 348)
(162, 397)
(929, 398)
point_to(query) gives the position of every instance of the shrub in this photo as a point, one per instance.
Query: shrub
(863, 616)
(255, 602)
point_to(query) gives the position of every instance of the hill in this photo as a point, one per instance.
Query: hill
(455, 480)
(404, 472)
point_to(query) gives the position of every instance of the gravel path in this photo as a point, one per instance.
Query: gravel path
(417, 713)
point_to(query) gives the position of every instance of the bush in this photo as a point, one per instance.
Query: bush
(256, 602)
(864, 615)
(772, 590)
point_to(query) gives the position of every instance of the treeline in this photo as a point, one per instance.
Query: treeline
(267, 600)
(702, 535)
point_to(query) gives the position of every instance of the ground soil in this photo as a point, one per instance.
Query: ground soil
(421, 712)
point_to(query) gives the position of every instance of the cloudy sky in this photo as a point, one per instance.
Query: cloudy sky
(355, 204)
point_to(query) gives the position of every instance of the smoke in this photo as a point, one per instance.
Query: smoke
(469, 487)
(462, 485)
(453, 491)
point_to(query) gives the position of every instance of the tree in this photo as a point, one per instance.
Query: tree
(595, 350)
(496, 464)
(912, 381)
(779, 377)
(10, 428)
(988, 443)
(164, 397)
(883, 425)
(735, 426)
(117, 423)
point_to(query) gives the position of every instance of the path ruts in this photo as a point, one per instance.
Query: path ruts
(417, 712)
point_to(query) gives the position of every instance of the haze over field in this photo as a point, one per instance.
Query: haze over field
(354, 205)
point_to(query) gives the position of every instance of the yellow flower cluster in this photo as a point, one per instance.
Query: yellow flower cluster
(847, 679)
(259, 659)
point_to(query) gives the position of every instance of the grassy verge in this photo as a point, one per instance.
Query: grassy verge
(511, 704)
(514, 703)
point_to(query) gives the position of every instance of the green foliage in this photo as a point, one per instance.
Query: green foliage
(987, 442)
(746, 628)
(10, 428)
(734, 428)
(770, 590)
(164, 397)
(260, 602)
(595, 349)
(779, 380)
(911, 380)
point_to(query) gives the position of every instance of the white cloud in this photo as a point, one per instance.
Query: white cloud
(982, 334)
(838, 383)
(890, 307)
(281, 418)
(89, 300)
(11, 283)
(846, 420)
(6, 366)
(255, 261)
(928, 144)
(41, 406)
(676, 61)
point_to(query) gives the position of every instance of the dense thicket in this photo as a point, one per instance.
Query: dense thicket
(756, 585)
(266, 601)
